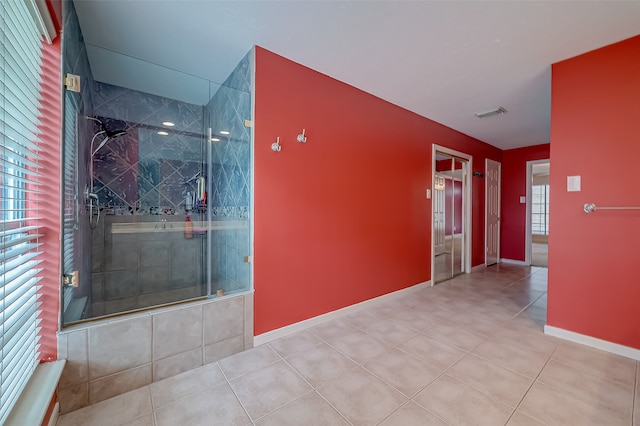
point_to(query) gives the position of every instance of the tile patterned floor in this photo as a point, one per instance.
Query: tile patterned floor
(469, 351)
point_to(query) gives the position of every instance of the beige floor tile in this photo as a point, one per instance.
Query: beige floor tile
(436, 354)
(309, 410)
(411, 414)
(487, 377)
(332, 329)
(521, 361)
(361, 397)
(403, 372)
(247, 361)
(477, 323)
(363, 318)
(461, 405)
(557, 408)
(269, 388)
(595, 390)
(596, 362)
(320, 364)
(202, 408)
(295, 343)
(387, 309)
(415, 321)
(519, 419)
(359, 346)
(533, 341)
(144, 420)
(111, 412)
(455, 336)
(185, 384)
(390, 332)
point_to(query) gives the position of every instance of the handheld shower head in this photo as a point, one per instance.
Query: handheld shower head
(110, 133)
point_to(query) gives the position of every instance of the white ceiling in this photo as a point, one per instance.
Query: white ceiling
(444, 60)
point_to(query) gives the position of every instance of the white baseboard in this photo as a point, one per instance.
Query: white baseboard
(514, 262)
(593, 342)
(480, 267)
(54, 415)
(302, 325)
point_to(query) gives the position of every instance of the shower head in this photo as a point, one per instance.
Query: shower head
(110, 133)
(105, 140)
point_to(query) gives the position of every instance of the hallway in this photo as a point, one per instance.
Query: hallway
(469, 351)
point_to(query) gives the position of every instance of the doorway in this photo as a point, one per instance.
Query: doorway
(450, 221)
(537, 244)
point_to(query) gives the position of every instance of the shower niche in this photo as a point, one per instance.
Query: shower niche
(157, 186)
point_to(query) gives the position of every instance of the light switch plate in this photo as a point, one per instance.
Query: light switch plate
(523, 199)
(573, 183)
(428, 194)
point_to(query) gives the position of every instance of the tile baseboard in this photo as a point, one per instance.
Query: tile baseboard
(593, 342)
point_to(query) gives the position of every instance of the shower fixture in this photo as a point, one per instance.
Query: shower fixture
(92, 198)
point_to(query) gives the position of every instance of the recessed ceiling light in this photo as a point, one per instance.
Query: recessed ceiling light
(215, 139)
(163, 133)
(492, 113)
(224, 132)
(168, 123)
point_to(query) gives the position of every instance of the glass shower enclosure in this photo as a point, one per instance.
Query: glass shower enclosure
(157, 184)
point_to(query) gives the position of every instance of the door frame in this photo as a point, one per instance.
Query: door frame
(528, 235)
(486, 208)
(466, 205)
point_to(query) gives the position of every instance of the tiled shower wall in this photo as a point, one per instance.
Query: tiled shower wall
(141, 269)
(230, 109)
(109, 357)
(144, 177)
(143, 172)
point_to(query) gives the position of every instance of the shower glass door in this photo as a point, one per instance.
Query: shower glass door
(157, 167)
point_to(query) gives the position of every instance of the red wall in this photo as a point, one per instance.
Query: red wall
(513, 230)
(593, 258)
(344, 217)
(49, 129)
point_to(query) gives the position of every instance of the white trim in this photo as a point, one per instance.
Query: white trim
(593, 342)
(480, 267)
(54, 415)
(514, 262)
(34, 401)
(303, 325)
(527, 230)
(466, 203)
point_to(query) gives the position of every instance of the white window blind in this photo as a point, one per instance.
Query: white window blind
(20, 67)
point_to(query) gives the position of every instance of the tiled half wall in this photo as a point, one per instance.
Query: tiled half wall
(109, 357)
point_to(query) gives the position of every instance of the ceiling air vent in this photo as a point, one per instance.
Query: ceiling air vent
(492, 113)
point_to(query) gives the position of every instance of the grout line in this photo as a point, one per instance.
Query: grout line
(535, 380)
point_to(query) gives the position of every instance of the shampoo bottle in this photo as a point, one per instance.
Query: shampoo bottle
(188, 228)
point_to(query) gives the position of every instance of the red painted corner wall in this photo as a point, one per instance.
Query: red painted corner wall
(49, 125)
(593, 258)
(514, 185)
(342, 218)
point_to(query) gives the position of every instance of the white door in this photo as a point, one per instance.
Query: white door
(438, 215)
(492, 208)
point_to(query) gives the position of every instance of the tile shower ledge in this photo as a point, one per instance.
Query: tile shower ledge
(148, 312)
(198, 226)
